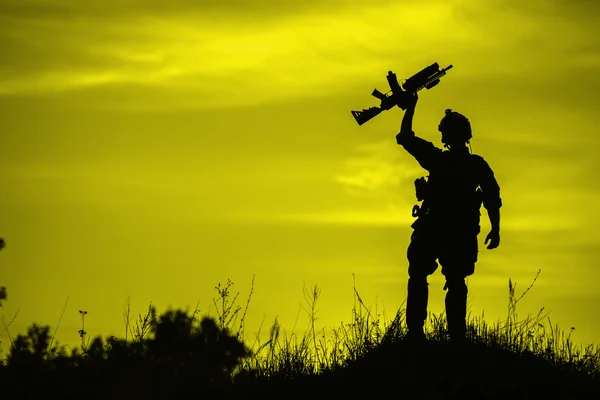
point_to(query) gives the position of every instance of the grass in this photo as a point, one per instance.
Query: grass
(177, 355)
(530, 358)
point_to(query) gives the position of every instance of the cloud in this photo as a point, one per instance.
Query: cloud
(248, 9)
(198, 56)
(389, 217)
(378, 169)
(193, 51)
(183, 51)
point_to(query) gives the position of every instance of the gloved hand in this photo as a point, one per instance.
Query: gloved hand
(494, 238)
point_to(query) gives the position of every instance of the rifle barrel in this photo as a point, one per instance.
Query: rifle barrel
(435, 77)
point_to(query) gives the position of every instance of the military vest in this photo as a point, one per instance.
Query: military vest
(451, 191)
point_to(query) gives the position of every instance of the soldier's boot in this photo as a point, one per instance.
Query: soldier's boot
(416, 307)
(456, 309)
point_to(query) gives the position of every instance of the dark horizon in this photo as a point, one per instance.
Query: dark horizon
(148, 152)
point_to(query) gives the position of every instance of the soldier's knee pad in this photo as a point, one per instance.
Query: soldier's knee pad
(456, 284)
(421, 266)
(419, 281)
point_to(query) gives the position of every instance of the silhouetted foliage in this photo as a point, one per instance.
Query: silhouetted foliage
(181, 356)
(31, 348)
(2, 288)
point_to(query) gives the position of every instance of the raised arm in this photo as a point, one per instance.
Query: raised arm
(406, 126)
(422, 150)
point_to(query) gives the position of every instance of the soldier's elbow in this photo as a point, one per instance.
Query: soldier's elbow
(404, 135)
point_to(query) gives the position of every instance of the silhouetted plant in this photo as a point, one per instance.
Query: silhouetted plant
(2, 288)
(176, 355)
(34, 347)
(142, 325)
(227, 311)
(3, 296)
(180, 343)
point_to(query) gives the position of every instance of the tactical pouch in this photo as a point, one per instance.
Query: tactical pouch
(421, 188)
(422, 191)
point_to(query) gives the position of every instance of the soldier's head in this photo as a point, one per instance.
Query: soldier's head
(455, 128)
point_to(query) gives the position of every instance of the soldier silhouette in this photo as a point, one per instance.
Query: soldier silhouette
(448, 220)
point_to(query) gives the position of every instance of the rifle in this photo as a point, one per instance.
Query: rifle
(426, 78)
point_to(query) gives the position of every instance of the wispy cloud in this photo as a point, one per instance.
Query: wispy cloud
(231, 57)
(386, 216)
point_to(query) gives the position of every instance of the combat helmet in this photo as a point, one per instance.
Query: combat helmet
(455, 127)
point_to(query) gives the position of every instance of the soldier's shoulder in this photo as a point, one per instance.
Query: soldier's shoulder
(478, 159)
(481, 165)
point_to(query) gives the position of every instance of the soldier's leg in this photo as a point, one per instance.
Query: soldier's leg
(456, 306)
(458, 262)
(421, 263)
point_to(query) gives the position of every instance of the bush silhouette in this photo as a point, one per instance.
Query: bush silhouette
(182, 356)
(31, 348)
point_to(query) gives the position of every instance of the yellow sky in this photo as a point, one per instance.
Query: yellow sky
(153, 151)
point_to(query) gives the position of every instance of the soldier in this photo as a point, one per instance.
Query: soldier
(448, 220)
